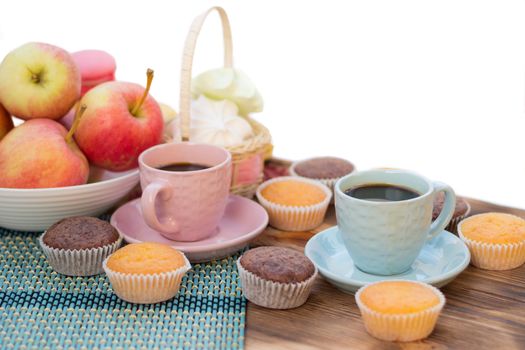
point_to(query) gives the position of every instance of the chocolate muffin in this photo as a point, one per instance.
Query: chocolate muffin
(461, 211)
(77, 246)
(276, 277)
(323, 168)
(80, 232)
(278, 264)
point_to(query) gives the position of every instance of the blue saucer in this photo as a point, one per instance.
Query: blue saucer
(440, 261)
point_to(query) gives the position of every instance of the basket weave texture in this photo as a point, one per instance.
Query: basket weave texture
(247, 158)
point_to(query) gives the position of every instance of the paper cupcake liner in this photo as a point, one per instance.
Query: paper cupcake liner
(453, 224)
(295, 218)
(78, 262)
(494, 256)
(274, 295)
(146, 288)
(400, 327)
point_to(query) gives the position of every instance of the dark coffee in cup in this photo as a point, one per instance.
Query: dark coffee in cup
(381, 193)
(183, 167)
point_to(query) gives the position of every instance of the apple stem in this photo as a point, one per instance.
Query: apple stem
(35, 78)
(78, 114)
(149, 74)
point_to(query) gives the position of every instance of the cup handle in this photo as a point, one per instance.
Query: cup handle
(448, 209)
(148, 199)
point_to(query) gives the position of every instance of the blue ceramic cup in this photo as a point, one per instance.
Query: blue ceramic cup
(385, 237)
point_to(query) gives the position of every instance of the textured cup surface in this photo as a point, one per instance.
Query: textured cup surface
(385, 238)
(184, 206)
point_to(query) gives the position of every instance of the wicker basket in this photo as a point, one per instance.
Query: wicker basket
(247, 158)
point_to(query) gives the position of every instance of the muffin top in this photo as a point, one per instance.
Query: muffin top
(293, 193)
(80, 232)
(460, 209)
(324, 168)
(398, 297)
(278, 264)
(498, 228)
(146, 258)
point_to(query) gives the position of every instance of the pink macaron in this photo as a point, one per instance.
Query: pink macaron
(96, 67)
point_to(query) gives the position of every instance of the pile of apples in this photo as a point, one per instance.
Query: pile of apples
(113, 123)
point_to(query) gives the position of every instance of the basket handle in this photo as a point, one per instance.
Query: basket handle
(187, 62)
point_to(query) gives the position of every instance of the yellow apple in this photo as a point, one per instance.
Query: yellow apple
(39, 80)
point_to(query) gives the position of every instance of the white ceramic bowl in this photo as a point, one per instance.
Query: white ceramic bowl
(37, 209)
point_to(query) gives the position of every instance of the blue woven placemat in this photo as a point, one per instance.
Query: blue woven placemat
(41, 309)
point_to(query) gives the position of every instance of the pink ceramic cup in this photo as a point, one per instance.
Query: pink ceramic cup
(184, 205)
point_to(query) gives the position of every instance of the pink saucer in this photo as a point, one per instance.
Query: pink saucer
(244, 220)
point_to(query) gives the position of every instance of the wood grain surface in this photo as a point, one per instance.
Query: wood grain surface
(484, 309)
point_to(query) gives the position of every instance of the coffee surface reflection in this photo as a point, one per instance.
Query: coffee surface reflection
(381, 193)
(183, 167)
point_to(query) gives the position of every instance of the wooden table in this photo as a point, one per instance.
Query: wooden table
(484, 309)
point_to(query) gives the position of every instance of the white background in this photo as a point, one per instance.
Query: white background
(433, 86)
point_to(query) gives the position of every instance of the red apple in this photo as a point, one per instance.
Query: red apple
(41, 153)
(6, 123)
(39, 80)
(120, 122)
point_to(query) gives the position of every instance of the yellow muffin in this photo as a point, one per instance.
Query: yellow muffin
(496, 240)
(292, 192)
(146, 258)
(399, 297)
(146, 273)
(399, 310)
(494, 228)
(294, 203)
